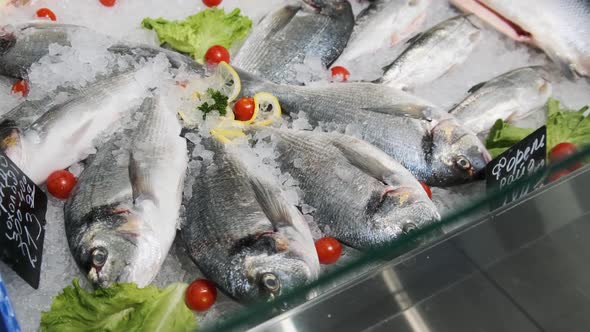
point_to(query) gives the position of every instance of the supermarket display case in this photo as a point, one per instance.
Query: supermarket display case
(523, 267)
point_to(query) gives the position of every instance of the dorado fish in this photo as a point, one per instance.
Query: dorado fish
(431, 145)
(5, 84)
(510, 96)
(64, 134)
(558, 27)
(23, 45)
(285, 37)
(243, 235)
(121, 219)
(362, 196)
(433, 53)
(383, 25)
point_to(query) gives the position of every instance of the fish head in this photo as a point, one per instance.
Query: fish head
(115, 249)
(401, 211)
(7, 39)
(270, 267)
(457, 154)
(328, 7)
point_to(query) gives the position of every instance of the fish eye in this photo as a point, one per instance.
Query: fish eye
(270, 282)
(463, 163)
(409, 228)
(99, 256)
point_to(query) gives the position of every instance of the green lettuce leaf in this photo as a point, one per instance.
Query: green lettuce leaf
(121, 307)
(197, 33)
(563, 125)
(504, 135)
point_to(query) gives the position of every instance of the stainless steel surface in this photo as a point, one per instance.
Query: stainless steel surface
(525, 268)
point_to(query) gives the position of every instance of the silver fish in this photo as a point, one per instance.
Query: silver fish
(384, 24)
(243, 235)
(5, 83)
(23, 45)
(64, 134)
(285, 37)
(430, 144)
(362, 196)
(510, 96)
(121, 219)
(433, 53)
(558, 27)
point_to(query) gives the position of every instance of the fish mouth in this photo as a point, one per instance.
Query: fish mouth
(7, 39)
(404, 194)
(496, 19)
(312, 5)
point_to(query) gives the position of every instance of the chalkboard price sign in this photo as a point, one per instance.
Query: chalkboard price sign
(522, 160)
(22, 222)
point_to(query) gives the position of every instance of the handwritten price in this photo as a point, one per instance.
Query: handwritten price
(17, 196)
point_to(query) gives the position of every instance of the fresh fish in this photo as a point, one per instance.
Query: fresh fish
(23, 45)
(433, 53)
(243, 235)
(64, 134)
(362, 196)
(430, 144)
(558, 27)
(285, 37)
(510, 96)
(383, 25)
(121, 219)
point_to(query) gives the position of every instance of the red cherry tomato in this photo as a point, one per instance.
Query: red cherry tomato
(22, 87)
(426, 189)
(60, 183)
(216, 54)
(211, 3)
(340, 73)
(46, 12)
(562, 151)
(200, 295)
(558, 175)
(108, 3)
(244, 109)
(329, 250)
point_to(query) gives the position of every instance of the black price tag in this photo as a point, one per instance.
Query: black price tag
(520, 161)
(22, 222)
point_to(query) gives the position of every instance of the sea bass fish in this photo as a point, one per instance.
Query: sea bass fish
(285, 37)
(121, 219)
(23, 45)
(558, 27)
(362, 196)
(65, 133)
(384, 24)
(243, 235)
(425, 140)
(510, 96)
(433, 53)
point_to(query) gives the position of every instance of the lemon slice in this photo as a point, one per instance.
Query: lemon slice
(227, 81)
(267, 109)
(226, 135)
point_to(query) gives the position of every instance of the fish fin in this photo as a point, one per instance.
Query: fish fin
(400, 110)
(476, 87)
(286, 15)
(140, 184)
(272, 203)
(366, 157)
(414, 38)
(79, 133)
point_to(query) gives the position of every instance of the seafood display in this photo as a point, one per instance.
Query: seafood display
(235, 145)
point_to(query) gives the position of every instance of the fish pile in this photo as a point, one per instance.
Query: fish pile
(359, 161)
